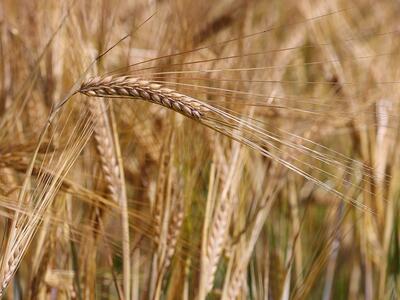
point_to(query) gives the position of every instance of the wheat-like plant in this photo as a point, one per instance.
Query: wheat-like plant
(125, 86)
(198, 114)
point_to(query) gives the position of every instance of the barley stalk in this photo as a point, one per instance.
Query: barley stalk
(216, 243)
(125, 86)
(105, 147)
(216, 238)
(108, 150)
(173, 233)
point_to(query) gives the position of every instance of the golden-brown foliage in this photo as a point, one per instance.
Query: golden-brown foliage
(262, 162)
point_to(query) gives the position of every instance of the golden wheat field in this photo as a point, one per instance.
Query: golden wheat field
(181, 149)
